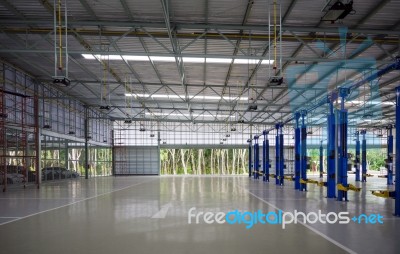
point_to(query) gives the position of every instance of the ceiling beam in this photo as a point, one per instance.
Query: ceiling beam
(231, 27)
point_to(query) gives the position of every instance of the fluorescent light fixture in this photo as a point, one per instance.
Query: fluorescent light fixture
(371, 102)
(368, 102)
(187, 115)
(197, 97)
(172, 59)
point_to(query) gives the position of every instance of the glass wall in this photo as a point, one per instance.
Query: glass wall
(61, 121)
(62, 159)
(204, 161)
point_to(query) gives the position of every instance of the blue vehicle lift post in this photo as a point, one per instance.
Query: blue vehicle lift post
(277, 153)
(265, 160)
(256, 152)
(321, 161)
(297, 150)
(357, 159)
(303, 161)
(281, 156)
(250, 160)
(342, 146)
(397, 186)
(364, 157)
(389, 158)
(331, 176)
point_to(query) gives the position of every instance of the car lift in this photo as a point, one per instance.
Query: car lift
(389, 159)
(396, 193)
(297, 150)
(265, 158)
(321, 161)
(342, 159)
(256, 151)
(357, 159)
(250, 160)
(279, 154)
(397, 186)
(303, 152)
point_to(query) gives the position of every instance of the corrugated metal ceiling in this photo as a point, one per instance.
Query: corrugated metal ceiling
(202, 29)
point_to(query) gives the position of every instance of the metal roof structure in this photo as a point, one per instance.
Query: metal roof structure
(208, 60)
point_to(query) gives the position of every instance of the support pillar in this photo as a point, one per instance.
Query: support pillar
(38, 142)
(86, 129)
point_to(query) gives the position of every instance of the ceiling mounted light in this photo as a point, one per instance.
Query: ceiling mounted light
(275, 81)
(252, 107)
(61, 81)
(105, 107)
(336, 9)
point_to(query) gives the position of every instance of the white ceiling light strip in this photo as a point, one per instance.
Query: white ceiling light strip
(187, 115)
(172, 59)
(197, 97)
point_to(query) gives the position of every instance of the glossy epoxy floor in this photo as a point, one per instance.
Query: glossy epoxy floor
(150, 215)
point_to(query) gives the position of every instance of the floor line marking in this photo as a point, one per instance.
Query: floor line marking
(307, 226)
(38, 198)
(73, 203)
(10, 217)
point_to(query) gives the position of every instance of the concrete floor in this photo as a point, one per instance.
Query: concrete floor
(150, 215)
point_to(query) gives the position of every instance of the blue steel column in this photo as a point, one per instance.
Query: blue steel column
(250, 159)
(266, 157)
(364, 157)
(389, 159)
(331, 186)
(281, 156)
(256, 158)
(357, 160)
(277, 149)
(321, 161)
(397, 187)
(303, 152)
(297, 150)
(342, 146)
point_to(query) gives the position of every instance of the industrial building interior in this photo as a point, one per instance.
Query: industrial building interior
(133, 126)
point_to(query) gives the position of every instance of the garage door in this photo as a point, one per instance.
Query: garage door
(135, 160)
